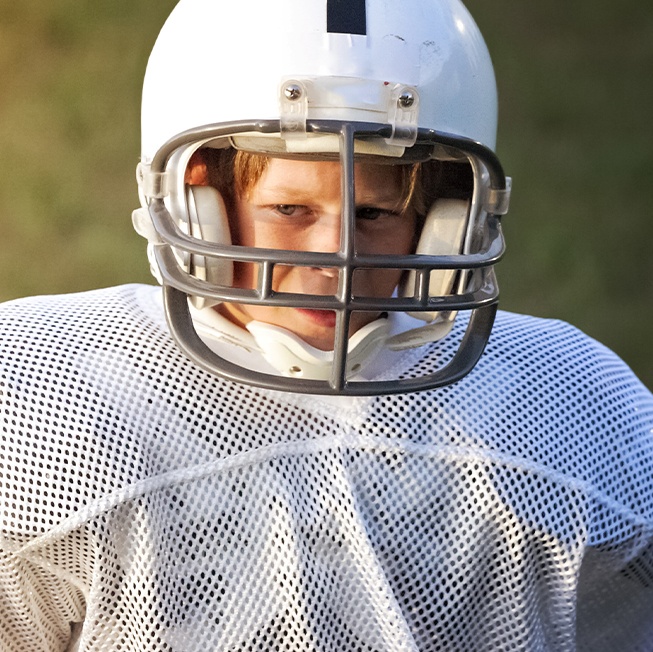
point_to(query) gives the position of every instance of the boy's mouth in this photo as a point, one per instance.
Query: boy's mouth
(326, 318)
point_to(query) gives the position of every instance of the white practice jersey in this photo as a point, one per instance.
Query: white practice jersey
(149, 506)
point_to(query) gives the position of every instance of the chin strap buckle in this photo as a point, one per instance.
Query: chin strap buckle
(151, 185)
(497, 201)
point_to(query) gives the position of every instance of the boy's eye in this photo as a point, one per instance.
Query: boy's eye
(368, 213)
(372, 213)
(285, 209)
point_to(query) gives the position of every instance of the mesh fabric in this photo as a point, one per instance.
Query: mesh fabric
(148, 506)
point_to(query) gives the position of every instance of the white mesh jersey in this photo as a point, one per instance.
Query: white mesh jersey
(148, 506)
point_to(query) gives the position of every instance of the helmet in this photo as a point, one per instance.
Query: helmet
(409, 83)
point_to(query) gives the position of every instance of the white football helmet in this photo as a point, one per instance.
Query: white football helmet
(401, 82)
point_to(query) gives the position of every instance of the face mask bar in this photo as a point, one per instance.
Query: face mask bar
(480, 297)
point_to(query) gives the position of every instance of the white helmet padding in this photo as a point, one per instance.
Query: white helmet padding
(208, 221)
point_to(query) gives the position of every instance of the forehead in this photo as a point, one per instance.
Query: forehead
(236, 173)
(294, 173)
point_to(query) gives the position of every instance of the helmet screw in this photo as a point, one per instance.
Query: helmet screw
(292, 92)
(406, 99)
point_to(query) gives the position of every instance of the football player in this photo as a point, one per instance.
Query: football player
(319, 434)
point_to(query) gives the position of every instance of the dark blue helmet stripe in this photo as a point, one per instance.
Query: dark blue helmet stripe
(346, 17)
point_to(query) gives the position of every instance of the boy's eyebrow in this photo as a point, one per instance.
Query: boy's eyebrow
(383, 197)
(301, 196)
(298, 194)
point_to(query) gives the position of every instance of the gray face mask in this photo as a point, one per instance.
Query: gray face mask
(450, 270)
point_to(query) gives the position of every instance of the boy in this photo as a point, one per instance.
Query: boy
(309, 452)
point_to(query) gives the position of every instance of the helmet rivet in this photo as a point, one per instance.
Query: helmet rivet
(292, 92)
(406, 99)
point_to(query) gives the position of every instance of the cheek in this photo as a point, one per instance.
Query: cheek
(246, 274)
(378, 283)
(408, 235)
(247, 233)
(252, 229)
(241, 223)
(397, 240)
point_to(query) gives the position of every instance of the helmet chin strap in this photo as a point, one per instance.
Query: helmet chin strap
(285, 351)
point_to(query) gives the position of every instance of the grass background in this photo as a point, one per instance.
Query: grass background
(576, 134)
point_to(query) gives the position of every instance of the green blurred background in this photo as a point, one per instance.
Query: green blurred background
(576, 92)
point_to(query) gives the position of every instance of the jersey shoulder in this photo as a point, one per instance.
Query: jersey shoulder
(73, 311)
(539, 347)
(70, 369)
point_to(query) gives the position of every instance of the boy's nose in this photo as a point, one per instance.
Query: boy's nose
(324, 235)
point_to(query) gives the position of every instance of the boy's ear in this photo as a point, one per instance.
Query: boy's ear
(197, 173)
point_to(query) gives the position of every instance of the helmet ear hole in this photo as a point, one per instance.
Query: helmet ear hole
(443, 234)
(208, 220)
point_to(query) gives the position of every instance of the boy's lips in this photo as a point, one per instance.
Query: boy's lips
(325, 318)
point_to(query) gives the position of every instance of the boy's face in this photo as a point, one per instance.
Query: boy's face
(296, 205)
